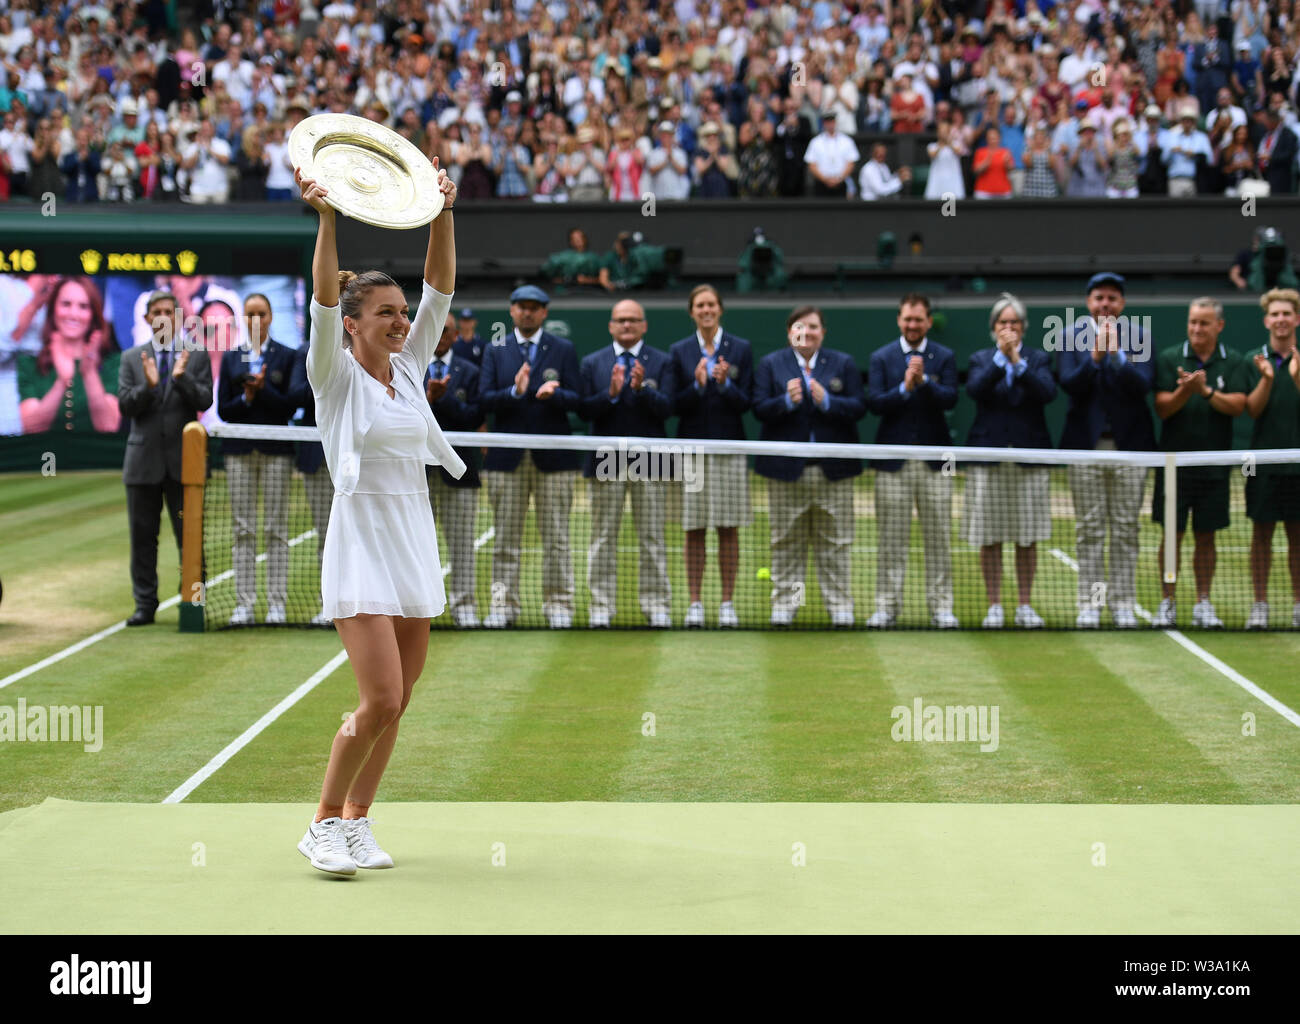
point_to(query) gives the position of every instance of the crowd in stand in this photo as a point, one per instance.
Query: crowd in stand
(581, 100)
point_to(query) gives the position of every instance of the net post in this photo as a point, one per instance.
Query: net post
(1171, 518)
(194, 475)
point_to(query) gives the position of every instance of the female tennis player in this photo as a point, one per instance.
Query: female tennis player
(380, 577)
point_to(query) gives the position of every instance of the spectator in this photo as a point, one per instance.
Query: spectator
(668, 166)
(1104, 368)
(912, 385)
(1237, 161)
(585, 170)
(793, 135)
(548, 172)
(1042, 168)
(511, 164)
(530, 384)
(206, 160)
(119, 175)
(713, 373)
(1222, 122)
(46, 177)
(1087, 165)
(1271, 380)
(759, 174)
(623, 168)
(451, 386)
(907, 108)
(279, 168)
(252, 166)
(576, 265)
(874, 113)
(1153, 177)
(1013, 138)
(1212, 60)
(475, 158)
(715, 169)
(171, 174)
(808, 393)
(877, 181)
(627, 391)
(1123, 159)
(831, 158)
(945, 179)
(1275, 157)
(147, 157)
(1008, 502)
(130, 130)
(1197, 397)
(993, 165)
(16, 148)
(81, 170)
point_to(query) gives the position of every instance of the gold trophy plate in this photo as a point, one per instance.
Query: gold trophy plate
(373, 174)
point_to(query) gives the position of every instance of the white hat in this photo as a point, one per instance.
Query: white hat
(129, 107)
(513, 96)
(665, 126)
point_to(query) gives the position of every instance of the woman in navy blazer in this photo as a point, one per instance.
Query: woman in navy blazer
(1008, 501)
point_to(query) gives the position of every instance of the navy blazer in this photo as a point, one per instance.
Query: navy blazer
(1010, 416)
(458, 409)
(635, 413)
(720, 411)
(271, 405)
(917, 417)
(311, 454)
(527, 414)
(839, 375)
(471, 351)
(1106, 391)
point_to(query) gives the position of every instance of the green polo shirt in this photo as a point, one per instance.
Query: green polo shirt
(569, 264)
(74, 410)
(1197, 426)
(1279, 424)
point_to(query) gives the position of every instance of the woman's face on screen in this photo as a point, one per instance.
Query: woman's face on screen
(73, 313)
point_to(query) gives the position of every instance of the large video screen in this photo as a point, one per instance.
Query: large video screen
(62, 338)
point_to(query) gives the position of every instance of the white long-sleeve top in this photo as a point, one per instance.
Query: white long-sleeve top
(347, 397)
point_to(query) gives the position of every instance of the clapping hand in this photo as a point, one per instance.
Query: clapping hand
(638, 374)
(720, 369)
(794, 388)
(435, 388)
(616, 380)
(1264, 365)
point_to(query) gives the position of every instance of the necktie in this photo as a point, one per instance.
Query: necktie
(444, 371)
(164, 365)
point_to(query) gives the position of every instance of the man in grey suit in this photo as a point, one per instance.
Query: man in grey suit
(161, 388)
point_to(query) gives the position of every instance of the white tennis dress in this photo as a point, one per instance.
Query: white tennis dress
(381, 551)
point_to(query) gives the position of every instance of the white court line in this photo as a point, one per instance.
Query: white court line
(1193, 647)
(251, 733)
(81, 645)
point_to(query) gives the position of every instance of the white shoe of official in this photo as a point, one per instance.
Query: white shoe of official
(275, 615)
(694, 616)
(465, 618)
(241, 616)
(559, 619)
(782, 617)
(321, 619)
(945, 620)
(1166, 616)
(881, 619)
(727, 618)
(326, 846)
(1123, 617)
(598, 620)
(661, 620)
(842, 620)
(1027, 618)
(1258, 617)
(362, 848)
(1204, 617)
(995, 619)
(1089, 618)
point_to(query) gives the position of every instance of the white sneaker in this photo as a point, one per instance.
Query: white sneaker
(1204, 617)
(1258, 617)
(598, 619)
(995, 619)
(1166, 616)
(1089, 618)
(326, 846)
(275, 615)
(945, 620)
(241, 616)
(881, 620)
(362, 848)
(727, 618)
(559, 619)
(661, 620)
(842, 620)
(782, 617)
(321, 619)
(465, 618)
(694, 616)
(498, 620)
(1027, 618)
(1123, 617)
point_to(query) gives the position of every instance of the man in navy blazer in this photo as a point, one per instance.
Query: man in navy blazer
(529, 383)
(451, 386)
(627, 390)
(809, 393)
(256, 386)
(311, 463)
(713, 371)
(912, 385)
(1106, 366)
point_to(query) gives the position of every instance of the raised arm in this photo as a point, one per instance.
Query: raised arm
(325, 261)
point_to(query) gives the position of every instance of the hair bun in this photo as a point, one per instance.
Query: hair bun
(345, 278)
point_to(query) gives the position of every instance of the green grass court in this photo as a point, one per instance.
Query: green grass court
(534, 740)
